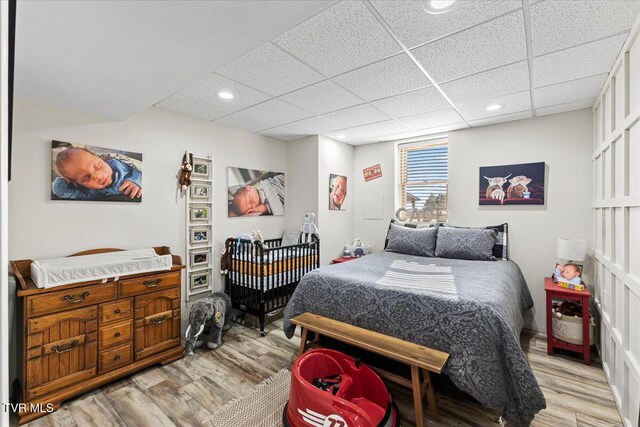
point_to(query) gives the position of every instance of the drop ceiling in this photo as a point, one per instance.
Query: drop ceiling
(359, 71)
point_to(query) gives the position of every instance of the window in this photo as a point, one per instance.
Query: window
(424, 182)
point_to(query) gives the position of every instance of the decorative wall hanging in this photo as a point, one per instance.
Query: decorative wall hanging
(83, 172)
(255, 192)
(337, 192)
(521, 184)
(372, 172)
(199, 216)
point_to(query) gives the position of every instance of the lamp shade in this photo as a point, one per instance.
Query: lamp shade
(572, 249)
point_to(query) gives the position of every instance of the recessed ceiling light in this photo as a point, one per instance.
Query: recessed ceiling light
(341, 136)
(494, 107)
(439, 6)
(225, 95)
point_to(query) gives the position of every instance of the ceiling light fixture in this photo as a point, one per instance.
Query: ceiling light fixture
(494, 107)
(225, 95)
(341, 136)
(439, 6)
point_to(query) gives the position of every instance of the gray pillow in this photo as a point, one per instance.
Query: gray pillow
(462, 243)
(412, 241)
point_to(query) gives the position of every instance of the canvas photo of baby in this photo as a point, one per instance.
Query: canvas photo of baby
(568, 273)
(83, 172)
(255, 192)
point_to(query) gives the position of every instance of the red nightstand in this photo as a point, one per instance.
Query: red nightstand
(342, 259)
(556, 292)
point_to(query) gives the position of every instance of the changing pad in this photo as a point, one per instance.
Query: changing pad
(49, 273)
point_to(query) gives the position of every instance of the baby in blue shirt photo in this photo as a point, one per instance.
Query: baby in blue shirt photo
(85, 175)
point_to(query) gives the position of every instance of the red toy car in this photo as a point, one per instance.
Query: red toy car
(331, 389)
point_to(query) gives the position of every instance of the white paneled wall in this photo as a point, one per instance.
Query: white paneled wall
(616, 211)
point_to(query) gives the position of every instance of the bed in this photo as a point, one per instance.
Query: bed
(261, 277)
(470, 309)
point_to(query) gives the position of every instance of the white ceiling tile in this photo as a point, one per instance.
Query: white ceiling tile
(502, 119)
(499, 81)
(282, 133)
(415, 26)
(432, 119)
(564, 93)
(513, 103)
(489, 45)
(554, 109)
(577, 62)
(385, 78)
(192, 107)
(419, 101)
(242, 121)
(424, 132)
(322, 97)
(560, 24)
(313, 126)
(270, 70)
(357, 116)
(277, 112)
(340, 38)
(374, 130)
(208, 88)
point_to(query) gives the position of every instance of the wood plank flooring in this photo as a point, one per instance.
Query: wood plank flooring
(188, 391)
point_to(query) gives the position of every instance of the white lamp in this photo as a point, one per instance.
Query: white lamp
(572, 249)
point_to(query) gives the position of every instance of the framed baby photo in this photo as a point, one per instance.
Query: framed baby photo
(200, 280)
(199, 213)
(253, 192)
(200, 191)
(568, 273)
(200, 258)
(87, 173)
(201, 170)
(199, 235)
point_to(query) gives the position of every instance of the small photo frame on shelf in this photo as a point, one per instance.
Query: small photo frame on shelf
(199, 236)
(200, 280)
(200, 258)
(570, 273)
(201, 169)
(199, 214)
(200, 191)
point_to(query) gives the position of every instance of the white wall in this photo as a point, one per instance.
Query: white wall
(562, 141)
(337, 226)
(616, 231)
(302, 180)
(43, 228)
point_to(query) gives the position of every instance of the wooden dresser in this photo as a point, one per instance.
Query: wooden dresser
(80, 336)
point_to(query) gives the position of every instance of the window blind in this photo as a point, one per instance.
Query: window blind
(424, 181)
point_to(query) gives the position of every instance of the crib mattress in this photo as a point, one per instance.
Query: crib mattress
(49, 273)
(273, 267)
(272, 281)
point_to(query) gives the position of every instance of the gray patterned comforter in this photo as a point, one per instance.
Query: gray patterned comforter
(469, 309)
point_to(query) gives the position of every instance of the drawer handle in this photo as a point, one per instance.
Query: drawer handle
(117, 334)
(117, 311)
(152, 283)
(159, 320)
(64, 348)
(116, 358)
(74, 299)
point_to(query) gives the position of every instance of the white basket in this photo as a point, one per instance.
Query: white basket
(569, 329)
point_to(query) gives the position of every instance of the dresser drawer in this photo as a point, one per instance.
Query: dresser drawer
(116, 311)
(117, 333)
(71, 298)
(151, 283)
(108, 360)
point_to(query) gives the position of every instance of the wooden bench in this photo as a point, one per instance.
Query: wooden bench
(422, 360)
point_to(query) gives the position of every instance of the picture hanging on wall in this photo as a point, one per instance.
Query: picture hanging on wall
(199, 235)
(201, 170)
(87, 173)
(200, 258)
(200, 191)
(200, 280)
(254, 192)
(337, 192)
(199, 213)
(521, 184)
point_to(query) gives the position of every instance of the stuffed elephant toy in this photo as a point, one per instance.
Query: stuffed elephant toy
(208, 318)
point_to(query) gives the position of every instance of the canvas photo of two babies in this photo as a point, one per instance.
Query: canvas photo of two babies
(521, 184)
(87, 173)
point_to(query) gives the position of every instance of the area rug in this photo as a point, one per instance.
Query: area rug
(261, 408)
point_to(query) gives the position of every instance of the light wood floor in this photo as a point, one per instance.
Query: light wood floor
(188, 391)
